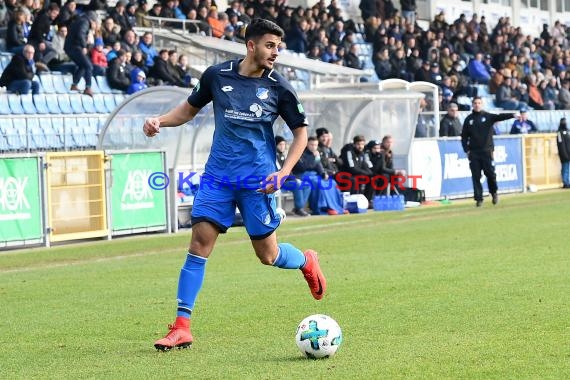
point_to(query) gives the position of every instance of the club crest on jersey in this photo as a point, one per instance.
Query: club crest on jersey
(262, 93)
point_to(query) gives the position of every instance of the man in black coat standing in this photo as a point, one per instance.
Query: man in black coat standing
(477, 141)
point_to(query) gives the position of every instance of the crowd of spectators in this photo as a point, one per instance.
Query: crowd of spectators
(521, 71)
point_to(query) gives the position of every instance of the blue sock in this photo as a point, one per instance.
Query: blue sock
(189, 284)
(289, 257)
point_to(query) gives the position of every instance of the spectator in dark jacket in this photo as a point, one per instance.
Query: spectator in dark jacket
(16, 32)
(76, 48)
(355, 162)
(67, 13)
(160, 72)
(450, 126)
(117, 75)
(563, 142)
(18, 76)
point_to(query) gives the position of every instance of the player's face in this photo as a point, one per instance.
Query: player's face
(265, 51)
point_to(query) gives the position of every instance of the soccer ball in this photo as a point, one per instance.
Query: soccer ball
(318, 336)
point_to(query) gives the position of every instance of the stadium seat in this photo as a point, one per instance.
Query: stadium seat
(95, 86)
(62, 139)
(41, 104)
(74, 132)
(109, 100)
(4, 107)
(5, 124)
(90, 132)
(76, 103)
(52, 104)
(104, 86)
(64, 103)
(59, 84)
(38, 140)
(28, 104)
(88, 104)
(119, 98)
(46, 82)
(15, 104)
(17, 135)
(99, 103)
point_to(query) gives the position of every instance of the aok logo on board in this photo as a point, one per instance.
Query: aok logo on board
(14, 204)
(137, 194)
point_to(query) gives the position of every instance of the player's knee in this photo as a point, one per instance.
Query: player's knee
(266, 260)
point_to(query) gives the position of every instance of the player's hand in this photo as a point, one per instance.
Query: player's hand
(272, 183)
(151, 126)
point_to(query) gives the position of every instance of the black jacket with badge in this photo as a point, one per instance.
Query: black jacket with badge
(355, 162)
(477, 133)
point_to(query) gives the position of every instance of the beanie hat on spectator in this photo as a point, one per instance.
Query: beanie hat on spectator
(99, 41)
(321, 131)
(279, 139)
(92, 16)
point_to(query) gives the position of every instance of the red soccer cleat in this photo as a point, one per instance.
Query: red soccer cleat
(179, 336)
(313, 275)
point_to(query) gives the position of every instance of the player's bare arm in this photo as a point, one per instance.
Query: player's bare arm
(274, 180)
(180, 114)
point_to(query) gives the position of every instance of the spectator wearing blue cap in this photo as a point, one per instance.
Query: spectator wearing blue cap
(522, 125)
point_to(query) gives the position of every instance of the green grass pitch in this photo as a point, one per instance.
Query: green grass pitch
(446, 292)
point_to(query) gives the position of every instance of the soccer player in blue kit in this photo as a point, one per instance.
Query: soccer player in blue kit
(248, 96)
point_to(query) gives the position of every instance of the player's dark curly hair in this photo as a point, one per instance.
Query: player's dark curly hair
(259, 27)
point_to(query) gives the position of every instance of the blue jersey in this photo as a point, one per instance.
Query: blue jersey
(245, 108)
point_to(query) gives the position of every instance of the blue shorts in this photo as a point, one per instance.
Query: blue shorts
(217, 205)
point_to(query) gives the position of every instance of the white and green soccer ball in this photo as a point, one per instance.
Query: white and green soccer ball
(318, 336)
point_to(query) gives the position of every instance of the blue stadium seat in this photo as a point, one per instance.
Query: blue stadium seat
(17, 135)
(53, 136)
(88, 104)
(74, 132)
(5, 59)
(4, 107)
(64, 103)
(52, 104)
(59, 84)
(46, 82)
(5, 125)
(90, 131)
(119, 98)
(109, 100)
(76, 103)
(38, 140)
(15, 104)
(64, 139)
(95, 86)
(99, 103)
(104, 86)
(28, 104)
(41, 104)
